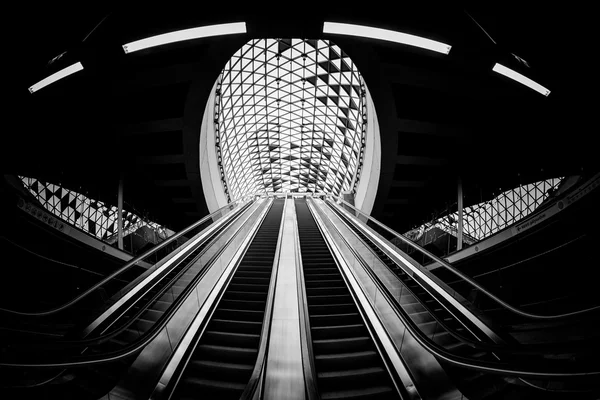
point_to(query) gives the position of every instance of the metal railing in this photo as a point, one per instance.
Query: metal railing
(458, 273)
(540, 369)
(135, 261)
(139, 343)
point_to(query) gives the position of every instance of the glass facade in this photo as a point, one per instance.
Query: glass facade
(484, 219)
(92, 216)
(290, 115)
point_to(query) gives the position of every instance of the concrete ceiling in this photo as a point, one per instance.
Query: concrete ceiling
(441, 117)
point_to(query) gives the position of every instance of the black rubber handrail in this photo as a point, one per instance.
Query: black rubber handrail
(130, 349)
(467, 279)
(495, 367)
(121, 270)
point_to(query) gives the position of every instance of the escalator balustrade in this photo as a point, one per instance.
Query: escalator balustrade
(223, 360)
(347, 363)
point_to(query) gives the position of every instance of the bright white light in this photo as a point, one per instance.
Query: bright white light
(56, 76)
(186, 34)
(384, 34)
(501, 69)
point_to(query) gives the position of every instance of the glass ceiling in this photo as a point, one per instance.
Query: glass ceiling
(290, 115)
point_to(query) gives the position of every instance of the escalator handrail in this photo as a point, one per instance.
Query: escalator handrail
(103, 337)
(464, 277)
(182, 354)
(125, 267)
(529, 349)
(460, 361)
(396, 366)
(133, 347)
(255, 380)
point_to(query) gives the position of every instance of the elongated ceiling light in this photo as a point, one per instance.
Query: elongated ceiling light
(385, 34)
(501, 69)
(56, 76)
(186, 34)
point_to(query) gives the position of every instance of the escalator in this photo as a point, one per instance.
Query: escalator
(138, 320)
(123, 327)
(347, 363)
(435, 321)
(224, 357)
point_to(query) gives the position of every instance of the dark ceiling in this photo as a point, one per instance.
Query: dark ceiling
(441, 117)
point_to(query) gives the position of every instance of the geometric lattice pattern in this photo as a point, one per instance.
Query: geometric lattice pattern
(484, 219)
(290, 115)
(91, 216)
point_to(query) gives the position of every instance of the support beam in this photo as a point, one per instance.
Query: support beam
(459, 238)
(120, 215)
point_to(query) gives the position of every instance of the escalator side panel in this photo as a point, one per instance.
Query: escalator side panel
(224, 358)
(346, 360)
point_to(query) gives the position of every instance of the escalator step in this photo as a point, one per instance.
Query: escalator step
(337, 331)
(377, 392)
(243, 304)
(345, 360)
(225, 356)
(242, 339)
(331, 345)
(241, 295)
(214, 369)
(239, 315)
(226, 353)
(251, 327)
(329, 299)
(210, 386)
(320, 309)
(334, 319)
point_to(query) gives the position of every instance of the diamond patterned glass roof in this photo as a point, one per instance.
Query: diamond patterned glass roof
(290, 115)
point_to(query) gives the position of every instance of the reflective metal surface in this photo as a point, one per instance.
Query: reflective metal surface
(284, 377)
(173, 258)
(142, 377)
(540, 370)
(451, 268)
(396, 365)
(418, 272)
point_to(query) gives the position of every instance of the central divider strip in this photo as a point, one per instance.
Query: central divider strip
(284, 376)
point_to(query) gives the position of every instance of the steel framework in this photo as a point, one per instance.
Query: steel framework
(290, 115)
(92, 216)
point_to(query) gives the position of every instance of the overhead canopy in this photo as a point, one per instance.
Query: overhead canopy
(290, 116)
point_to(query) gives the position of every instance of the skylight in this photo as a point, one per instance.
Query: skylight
(290, 115)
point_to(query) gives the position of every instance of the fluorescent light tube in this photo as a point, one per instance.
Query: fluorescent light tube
(384, 34)
(56, 76)
(186, 34)
(501, 69)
